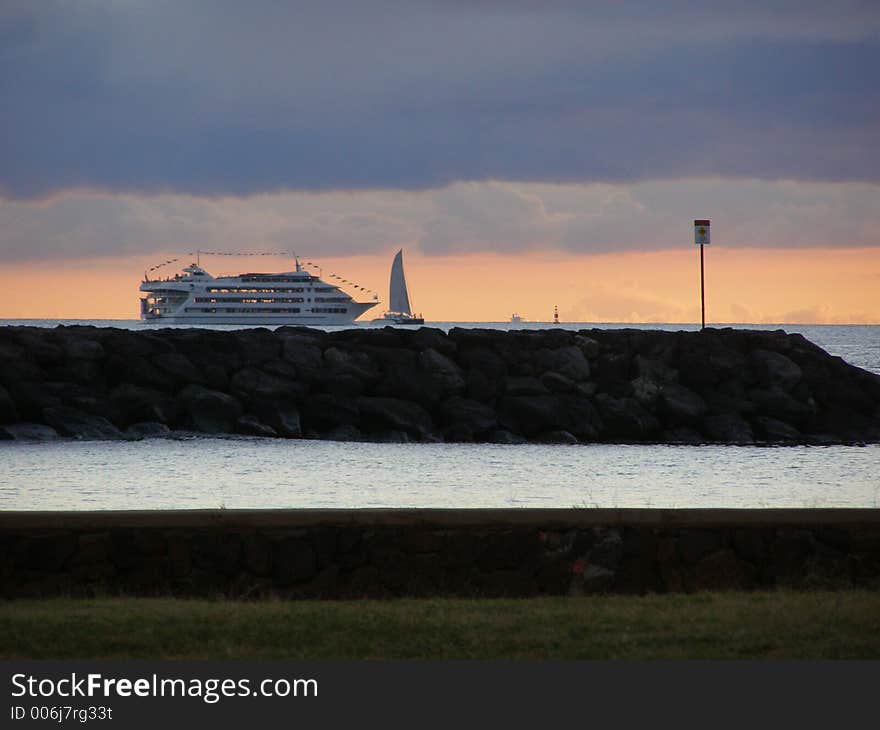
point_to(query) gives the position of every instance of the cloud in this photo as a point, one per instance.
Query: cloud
(230, 98)
(461, 218)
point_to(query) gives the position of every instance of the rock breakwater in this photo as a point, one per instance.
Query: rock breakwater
(547, 386)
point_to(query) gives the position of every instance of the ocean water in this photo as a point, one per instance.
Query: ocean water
(202, 472)
(206, 473)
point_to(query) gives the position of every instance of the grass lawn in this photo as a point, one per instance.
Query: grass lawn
(723, 625)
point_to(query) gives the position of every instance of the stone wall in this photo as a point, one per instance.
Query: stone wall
(388, 553)
(556, 386)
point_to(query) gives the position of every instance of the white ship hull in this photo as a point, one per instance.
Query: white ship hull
(256, 299)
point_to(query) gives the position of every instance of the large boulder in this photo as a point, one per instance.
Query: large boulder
(380, 414)
(210, 411)
(775, 431)
(250, 382)
(531, 414)
(8, 411)
(147, 430)
(27, 432)
(435, 339)
(568, 361)
(625, 419)
(351, 363)
(679, 405)
(304, 354)
(134, 403)
(524, 385)
(728, 428)
(484, 361)
(470, 417)
(323, 411)
(442, 370)
(178, 367)
(774, 402)
(78, 348)
(775, 369)
(283, 418)
(78, 425)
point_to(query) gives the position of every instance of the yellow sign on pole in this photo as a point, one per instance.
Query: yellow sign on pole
(701, 232)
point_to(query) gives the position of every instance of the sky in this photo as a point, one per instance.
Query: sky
(525, 154)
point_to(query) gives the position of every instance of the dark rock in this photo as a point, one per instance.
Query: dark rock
(178, 368)
(76, 424)
(531, 414)
(518, 385)
(769, 429)
(568, 361)
(775, 369)
(557, 437)
(502, 436)
(682, 435)
(134, 403)
(343, 433)
(283, 418)
(646, 391)
(83, 349)
(729, 428)
(305, 356)
(443, 371)
(778, 404)
(281, 369)
(625, 418)
(557, 383)
(485, 361)
(28, 432)
(681, 406)
(588, 346)
(41, 350)
(147, 430)
(435, 339)
(250, 425)
(258, 346)
(346, 385)
(253, 383)
(323, 411)
(656, 371)
(352, 363)
(471, 415)
(480, 387)
(210, 411)
(8, 411)
(393, 413)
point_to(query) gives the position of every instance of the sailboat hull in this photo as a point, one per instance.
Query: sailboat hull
(398, 319)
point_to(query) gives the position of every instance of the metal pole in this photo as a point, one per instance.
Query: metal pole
(702, 289)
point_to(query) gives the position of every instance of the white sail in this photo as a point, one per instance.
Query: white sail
(398, 298)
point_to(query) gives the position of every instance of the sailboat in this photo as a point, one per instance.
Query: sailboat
(399, 309)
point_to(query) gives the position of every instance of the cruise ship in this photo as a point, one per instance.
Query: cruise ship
(286, 298)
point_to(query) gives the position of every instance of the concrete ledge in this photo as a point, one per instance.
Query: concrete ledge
(443, 552)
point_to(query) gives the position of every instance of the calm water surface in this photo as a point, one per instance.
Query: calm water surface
(250, 473)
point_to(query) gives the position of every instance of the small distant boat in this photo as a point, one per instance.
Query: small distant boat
(516, 319)
(399, 308)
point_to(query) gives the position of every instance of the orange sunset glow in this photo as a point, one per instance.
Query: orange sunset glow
(743, 285)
